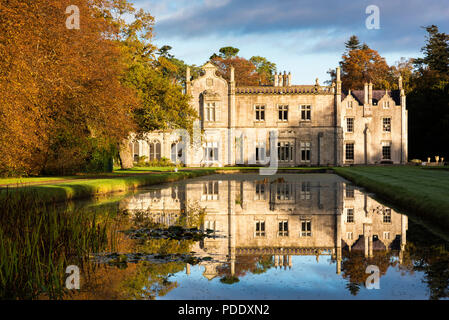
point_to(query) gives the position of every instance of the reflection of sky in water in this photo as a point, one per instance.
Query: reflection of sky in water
(318, 210)
(308, 279)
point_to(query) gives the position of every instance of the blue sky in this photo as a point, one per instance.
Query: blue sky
(305, 37)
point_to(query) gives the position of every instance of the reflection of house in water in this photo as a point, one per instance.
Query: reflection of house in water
(281, 216)
(163, 206)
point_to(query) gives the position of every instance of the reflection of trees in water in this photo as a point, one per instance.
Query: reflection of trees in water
(151, 280)
(243, 265)
(429, 254)
(144, 280)
(354, 266)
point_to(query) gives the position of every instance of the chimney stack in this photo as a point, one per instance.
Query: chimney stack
(370, 93)
(232, 74)
(365, 100)
(289, 78)
(338, 74)
(276, 79)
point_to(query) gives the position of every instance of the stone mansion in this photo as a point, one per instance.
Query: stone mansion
(306, 125)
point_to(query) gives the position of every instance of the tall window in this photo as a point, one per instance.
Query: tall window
(349, 151)
(260, 152)
(349, 190)
(176, 152)
(260, 113)
(305, 191)
(350, 215)
(283, 228)
(285, 151)
(386, 104)
(211, 151)
(306, 228)
(386, 151)
(260, 229)
(305, 151)
(283, 113)
(210, 190)
(155, 150)
(306, 113)
(349, 104)
(386, 124)
(387, 216)
(260, 190)
(349, 235)
(284, 191)
(210, 111)
(350, 124)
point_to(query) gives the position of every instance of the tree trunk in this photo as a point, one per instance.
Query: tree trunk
(126, 158)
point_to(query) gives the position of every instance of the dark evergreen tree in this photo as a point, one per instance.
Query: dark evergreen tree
(436, 51)
(353, 43)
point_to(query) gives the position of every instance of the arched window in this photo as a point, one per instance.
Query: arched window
(155, 150)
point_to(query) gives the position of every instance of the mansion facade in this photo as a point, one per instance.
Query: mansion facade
(305, 125)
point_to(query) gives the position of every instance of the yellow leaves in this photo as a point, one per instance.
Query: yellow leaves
(360, 66)
(55, 80)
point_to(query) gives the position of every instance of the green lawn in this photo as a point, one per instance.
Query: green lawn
(422, 192)
(93, 186)
(116, 173)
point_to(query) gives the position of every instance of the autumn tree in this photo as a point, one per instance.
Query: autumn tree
(403, 68)
(361, 66)
(245, 71)
(61, 98)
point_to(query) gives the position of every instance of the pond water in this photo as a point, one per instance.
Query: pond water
(291, 236)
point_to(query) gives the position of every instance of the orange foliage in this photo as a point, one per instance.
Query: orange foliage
(245, 70)
(58, 87)
(361, 66)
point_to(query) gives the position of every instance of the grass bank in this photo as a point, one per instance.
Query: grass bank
(115, 182)
(422, 193)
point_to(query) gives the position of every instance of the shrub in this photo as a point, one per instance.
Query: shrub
(163, 162)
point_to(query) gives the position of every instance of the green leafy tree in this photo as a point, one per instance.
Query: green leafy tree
(264, 68)
(229, 52)
(162, 104)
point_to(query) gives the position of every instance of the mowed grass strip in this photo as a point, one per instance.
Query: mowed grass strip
(424, 193)
(89, 188)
